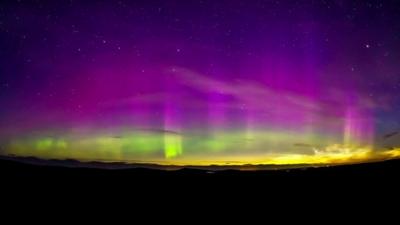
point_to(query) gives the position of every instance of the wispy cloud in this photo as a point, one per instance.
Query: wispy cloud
(253, 95)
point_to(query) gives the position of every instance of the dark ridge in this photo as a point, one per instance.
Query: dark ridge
(71, 163)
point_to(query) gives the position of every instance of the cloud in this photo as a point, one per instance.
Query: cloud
(389, 135)
(253, 95)
(303, 145)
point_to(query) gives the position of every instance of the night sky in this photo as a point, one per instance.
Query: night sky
(200, 82)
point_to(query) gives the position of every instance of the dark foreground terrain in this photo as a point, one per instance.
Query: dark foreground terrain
(33, 168)
(29, 177)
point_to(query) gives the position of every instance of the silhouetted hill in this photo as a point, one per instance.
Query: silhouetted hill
(24, 166)
(36, 177)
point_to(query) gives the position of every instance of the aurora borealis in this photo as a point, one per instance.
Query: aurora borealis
(200, 82)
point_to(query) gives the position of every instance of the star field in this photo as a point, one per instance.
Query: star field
(200, 82)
